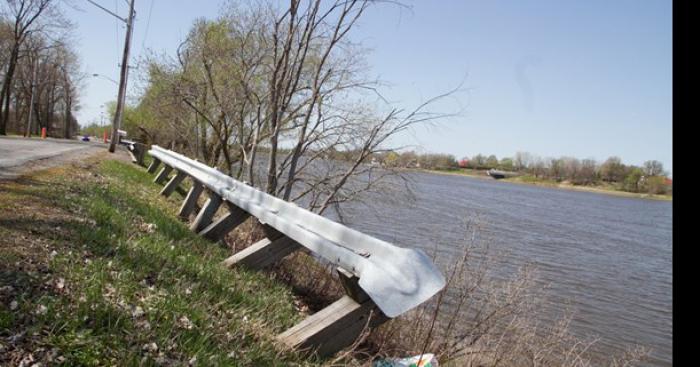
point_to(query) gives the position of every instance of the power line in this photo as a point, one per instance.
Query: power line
(106, 10)
(116, 16)
(148, 23)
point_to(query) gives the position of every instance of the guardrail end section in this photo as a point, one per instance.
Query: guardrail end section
(407, 280)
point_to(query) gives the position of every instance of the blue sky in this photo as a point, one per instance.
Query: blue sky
(589, 79)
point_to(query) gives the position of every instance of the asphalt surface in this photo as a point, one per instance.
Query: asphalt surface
(17, 155)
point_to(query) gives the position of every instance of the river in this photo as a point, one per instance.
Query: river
(609, 257)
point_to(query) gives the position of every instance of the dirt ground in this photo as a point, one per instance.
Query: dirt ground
(12, 173)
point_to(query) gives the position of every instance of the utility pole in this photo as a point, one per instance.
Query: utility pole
(122, 81)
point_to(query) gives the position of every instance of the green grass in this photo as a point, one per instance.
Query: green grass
(96, 284)
(458, 171)
(534, 180)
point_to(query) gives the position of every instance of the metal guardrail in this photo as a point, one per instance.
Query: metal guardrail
(394, 279)
(136, 150)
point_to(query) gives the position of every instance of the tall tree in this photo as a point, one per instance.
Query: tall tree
(653, 168)
(283, 88)
(24, 16)
(612, 170)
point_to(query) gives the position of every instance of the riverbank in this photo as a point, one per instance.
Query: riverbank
(529, 180)
(460, 172)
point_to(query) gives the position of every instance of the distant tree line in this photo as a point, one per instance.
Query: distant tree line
(650, 177)
(411, 159)
(39, 69)
(96, 129)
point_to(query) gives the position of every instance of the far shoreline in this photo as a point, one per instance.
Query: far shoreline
(514, 180)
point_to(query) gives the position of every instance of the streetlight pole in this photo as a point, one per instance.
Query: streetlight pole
(122, 81)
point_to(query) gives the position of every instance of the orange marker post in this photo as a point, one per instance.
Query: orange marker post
(104, 136)
(43, 133)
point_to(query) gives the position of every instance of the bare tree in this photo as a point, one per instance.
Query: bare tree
(522, 160)
(587, 173)
(492, 161)
(612, 170)
(38, 76)
(280, 88)
(24, 16)
(653, 168)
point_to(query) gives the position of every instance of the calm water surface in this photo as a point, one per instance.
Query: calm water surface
(609, 257)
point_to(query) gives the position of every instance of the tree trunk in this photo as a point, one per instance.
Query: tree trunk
(50, 104)
(6, 88)
(67, 123)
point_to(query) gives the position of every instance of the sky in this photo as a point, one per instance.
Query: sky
(588, 79)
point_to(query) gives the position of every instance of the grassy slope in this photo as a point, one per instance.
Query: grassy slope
(85, 279)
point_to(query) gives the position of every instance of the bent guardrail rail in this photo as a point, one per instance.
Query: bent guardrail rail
(374, 273)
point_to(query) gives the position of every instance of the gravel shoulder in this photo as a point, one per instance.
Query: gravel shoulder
(20, 156)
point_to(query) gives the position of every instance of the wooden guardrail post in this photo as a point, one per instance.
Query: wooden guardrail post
(190, 203)
(338, 325)
(140, 153)
(265, 252)
(154, 165)
(163, 175)
(204, 217)
(225, 224)
(173, 183)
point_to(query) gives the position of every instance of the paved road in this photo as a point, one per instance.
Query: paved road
(17, 153)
